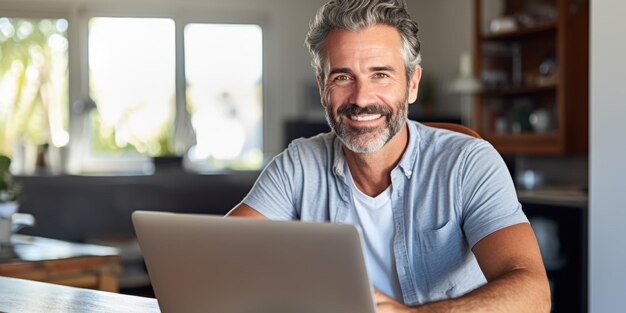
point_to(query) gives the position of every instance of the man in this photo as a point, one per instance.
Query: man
(443, 229)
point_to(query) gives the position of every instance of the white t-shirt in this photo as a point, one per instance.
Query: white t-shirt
(375, 218)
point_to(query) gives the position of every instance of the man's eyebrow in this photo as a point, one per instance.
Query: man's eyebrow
(345, 70)
(342, 70)
(382, 69)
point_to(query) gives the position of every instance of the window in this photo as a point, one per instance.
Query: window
(132, 81)
(223, 66)
(33, 88)
(146, 87)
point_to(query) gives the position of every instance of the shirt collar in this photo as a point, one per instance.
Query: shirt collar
(411, 152)
(339, 159)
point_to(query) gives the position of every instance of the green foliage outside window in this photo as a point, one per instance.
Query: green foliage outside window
(33, 82)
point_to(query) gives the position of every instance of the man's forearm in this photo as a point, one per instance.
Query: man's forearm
(517, 291)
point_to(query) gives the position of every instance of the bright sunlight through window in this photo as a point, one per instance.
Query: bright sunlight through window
(132, 80)
(33, 85)
(223, 66)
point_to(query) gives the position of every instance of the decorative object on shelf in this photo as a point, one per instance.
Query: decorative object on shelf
(520, 115)
(547, 71)
(465, 82)
(501, 124)
(530, 179)
(503, 24)
(466, 85)
(541, 120)
(498, 59)
(538, 12)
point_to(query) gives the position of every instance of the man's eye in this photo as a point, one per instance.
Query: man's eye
(342, 77)
(380, 75)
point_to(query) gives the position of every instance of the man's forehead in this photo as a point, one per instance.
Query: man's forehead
(377, 32)
(379, 43)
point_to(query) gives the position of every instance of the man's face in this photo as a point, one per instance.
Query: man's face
(366, 92)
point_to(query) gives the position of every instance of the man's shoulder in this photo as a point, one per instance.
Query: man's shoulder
(437, 145)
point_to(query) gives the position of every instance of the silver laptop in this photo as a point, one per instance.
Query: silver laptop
(202, 263)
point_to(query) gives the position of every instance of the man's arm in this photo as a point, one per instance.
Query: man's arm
(511, 261)
(244, 210)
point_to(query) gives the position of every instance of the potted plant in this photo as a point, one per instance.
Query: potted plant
(9, 191)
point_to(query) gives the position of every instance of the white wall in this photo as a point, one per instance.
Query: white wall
(607, 209)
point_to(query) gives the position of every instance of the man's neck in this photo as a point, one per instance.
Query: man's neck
(371, 172)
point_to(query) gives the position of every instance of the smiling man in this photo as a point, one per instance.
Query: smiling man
(442, 227)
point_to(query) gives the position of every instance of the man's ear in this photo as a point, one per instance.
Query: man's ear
(320, 88)
(414, 83)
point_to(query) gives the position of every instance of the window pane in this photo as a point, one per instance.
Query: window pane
(223, 66)
(33, 85)
(132, 80)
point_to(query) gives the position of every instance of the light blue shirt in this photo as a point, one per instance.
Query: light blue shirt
(448, 192)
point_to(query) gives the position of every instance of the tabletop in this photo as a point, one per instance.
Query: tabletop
(26, 296)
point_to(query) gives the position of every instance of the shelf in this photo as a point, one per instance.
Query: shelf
(517, 56)
(516, 34)
(516, 91)
(526, 143)
(567, 196)
(523, 137)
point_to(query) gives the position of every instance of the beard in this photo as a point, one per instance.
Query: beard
(367, 139)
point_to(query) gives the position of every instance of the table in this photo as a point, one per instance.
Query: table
(61, 262)
(26, 296)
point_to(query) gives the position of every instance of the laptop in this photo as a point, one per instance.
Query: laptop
(204, 263)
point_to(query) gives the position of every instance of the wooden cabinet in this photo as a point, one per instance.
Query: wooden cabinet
(532, 58)
(61, 262)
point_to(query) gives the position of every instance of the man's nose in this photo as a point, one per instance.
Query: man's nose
(362, 94)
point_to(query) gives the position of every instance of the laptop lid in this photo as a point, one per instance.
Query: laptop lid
(203, 263)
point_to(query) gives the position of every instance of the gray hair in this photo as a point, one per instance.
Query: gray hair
(358, 14)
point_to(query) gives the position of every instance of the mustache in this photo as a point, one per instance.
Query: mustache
(353, 109)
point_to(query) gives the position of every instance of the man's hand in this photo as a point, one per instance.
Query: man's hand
(386, 304)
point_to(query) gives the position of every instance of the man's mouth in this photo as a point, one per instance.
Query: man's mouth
(364, 117)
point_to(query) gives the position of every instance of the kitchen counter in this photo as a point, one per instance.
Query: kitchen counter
(565, 196)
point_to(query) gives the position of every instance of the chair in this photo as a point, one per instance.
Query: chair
(454, 127)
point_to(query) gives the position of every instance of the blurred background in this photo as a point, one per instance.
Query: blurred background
(110, 106)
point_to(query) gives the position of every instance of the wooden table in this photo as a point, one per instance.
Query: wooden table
(61, 262)
(27, 296)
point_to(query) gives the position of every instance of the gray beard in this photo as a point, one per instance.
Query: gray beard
(377, 138)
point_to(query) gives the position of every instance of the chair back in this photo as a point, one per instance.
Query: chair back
(454, 127)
